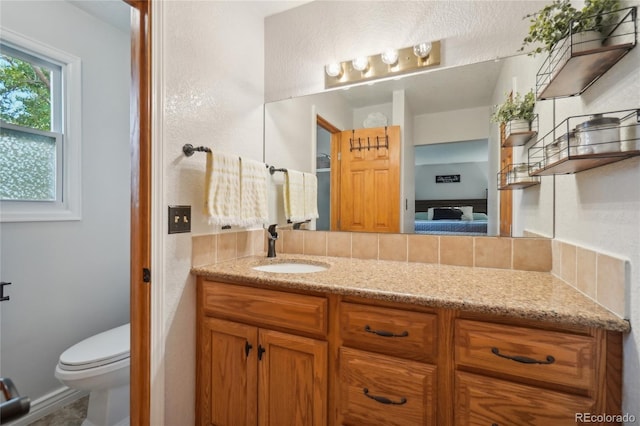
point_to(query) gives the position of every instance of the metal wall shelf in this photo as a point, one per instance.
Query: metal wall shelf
(516, 176)
(560, 152)
(580, 59)
(518, 133)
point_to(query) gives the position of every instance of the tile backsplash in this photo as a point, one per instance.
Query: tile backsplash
(529, 254)
(601, 277)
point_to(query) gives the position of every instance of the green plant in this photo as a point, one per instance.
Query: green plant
(550, 25)
(515, 107)
(555, 21)
(597, 15)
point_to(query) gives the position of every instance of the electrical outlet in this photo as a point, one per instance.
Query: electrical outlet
(179, 219)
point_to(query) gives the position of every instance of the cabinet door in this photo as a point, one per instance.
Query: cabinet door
(485, 401)
(228, 374)
(292, 380)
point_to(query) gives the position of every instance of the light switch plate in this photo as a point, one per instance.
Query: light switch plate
(179, 219)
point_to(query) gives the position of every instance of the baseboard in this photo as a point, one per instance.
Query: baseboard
(49, 403)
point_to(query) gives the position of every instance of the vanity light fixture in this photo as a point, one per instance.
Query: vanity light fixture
(361, 63)
(389, 56)
(422, 50)
(334, 70)
(390, 63)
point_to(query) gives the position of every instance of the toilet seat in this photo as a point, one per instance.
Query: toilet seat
(104, 348)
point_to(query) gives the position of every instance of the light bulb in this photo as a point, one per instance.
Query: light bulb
(422, 50)
(333, 70)
(360, 63)
(389, 56)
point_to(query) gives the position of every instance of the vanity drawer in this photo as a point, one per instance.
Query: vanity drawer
(547, 356)
(486, 401)
(265, 307)
(380, 390)
(406, 334)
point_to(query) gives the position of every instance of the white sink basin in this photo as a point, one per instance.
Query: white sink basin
(290, 268)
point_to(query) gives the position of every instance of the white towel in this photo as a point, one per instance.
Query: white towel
(310, 196)
(293, 195)
(222, 189)
(253, 193)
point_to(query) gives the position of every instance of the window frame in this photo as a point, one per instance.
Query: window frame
(68, 203)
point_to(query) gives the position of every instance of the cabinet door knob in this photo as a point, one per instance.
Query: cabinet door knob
(247, 348)
(261, 351)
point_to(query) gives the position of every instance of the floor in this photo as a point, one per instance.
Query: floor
(69, 415)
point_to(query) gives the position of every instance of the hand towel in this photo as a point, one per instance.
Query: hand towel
(253, 193)
(310, 196)
(222, 189)
(293, 195)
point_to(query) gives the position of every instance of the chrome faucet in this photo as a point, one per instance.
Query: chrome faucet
(272, 236)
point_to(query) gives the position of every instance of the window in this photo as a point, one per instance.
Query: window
(39, 131)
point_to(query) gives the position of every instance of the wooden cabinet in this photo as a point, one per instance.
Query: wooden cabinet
(398, 389)
(487, 401)
(288, 357)
(524, 375)
(249, 375)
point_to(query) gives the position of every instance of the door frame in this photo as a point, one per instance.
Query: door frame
(334, 194)
(140, 140)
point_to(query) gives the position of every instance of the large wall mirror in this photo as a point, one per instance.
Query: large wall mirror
(449, 151)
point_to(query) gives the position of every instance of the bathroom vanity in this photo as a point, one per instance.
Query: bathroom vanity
(395, 343)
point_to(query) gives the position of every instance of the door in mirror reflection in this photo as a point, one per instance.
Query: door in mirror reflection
(369, 180)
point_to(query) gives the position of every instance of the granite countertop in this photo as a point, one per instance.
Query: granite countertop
(520, 294)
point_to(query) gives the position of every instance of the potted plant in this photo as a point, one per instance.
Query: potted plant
(516, 111)
(557, 21)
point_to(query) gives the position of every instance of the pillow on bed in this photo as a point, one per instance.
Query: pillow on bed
(430, 213)
(480, 216)
(422, 216)
(447, 213)
(467, 212)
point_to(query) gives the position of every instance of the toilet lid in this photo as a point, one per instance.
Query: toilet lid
(103, 348)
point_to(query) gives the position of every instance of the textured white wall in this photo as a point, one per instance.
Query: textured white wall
(212, 95)
(452, 126)
(71, 279)
(598, 209)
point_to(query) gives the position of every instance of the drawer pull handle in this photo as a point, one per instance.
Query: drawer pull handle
(523, 359)
(382, 399)
(384, 333)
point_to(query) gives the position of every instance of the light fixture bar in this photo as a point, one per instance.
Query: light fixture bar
(406, 63)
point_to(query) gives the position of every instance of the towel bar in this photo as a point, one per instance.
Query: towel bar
(189, 149)
(272, 170)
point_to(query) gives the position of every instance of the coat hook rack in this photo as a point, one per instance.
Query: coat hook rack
(189, 149)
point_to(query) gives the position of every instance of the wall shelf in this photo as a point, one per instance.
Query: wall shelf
(518, 133)
(580, 59)
(571, 148)
(516, 176)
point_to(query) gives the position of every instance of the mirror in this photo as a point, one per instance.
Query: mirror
(450, 151)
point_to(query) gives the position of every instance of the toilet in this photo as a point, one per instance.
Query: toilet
(100, 365)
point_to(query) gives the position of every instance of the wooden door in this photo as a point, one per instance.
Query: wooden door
(227, 388)
(292, 386)
(140, 135)
(370, 180)
(506, 197)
